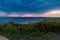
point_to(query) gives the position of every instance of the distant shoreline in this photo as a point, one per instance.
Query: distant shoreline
(24, 20)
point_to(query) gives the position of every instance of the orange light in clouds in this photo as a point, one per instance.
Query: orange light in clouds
(28, 15)
(51, 13)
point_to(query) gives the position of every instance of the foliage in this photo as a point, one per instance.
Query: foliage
(35, 29)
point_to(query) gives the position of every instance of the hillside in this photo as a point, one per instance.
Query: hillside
(47, 29)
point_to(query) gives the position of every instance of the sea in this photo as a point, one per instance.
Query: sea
(21, 19)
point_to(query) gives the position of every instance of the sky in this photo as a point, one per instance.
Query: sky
(29, 8)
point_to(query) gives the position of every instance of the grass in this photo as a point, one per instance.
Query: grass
(47, 29)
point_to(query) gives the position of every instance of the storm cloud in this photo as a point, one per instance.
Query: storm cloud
(27, 5)
(28, 8)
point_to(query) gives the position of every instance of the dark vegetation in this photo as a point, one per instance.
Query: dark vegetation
(16, 31)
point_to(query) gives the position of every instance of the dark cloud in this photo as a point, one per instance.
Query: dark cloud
(27, 5)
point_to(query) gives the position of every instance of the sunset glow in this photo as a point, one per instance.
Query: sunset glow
(52, 13)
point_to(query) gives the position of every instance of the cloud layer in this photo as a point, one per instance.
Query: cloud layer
(27, 5)
(51, 13)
